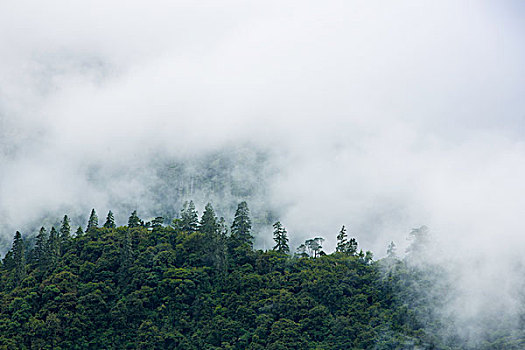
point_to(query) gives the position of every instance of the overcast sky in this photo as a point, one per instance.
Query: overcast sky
(381, 115)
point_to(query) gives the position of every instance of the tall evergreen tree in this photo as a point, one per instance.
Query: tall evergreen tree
(65, 235)
(352, 247)
(208, 224)
(110, 220)
(93, 221)
(19, 258)
(53, 247)
(211, 245)
(342, 241)
(134, 220)
(281, 239)
(345, 245)
(189, 217)
(40, 250)
(242, 225)
(65, 229)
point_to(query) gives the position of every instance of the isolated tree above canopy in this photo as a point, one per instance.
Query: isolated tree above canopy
(242, 225)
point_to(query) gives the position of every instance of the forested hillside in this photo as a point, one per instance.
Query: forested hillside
(199, 284)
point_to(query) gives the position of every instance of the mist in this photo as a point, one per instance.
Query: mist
(378, 116)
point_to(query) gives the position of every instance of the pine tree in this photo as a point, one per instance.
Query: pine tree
(213, 243)
(93, 221)
(19, 258)
(40, 251)
(208, 224)
(342, 241)
(189, 218)
(345, 246)
(134, 220)
(65, 229)
(79, 231)
(280, 238)
(110, 220)
(242, 225)
(352, 247)
(65, 235)
(53, 247)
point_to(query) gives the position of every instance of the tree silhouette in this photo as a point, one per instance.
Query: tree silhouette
(134, 220)
(280, 238)
(242, 225)
(189, 218)
(110, 220)
(93, 221)
(19, 258)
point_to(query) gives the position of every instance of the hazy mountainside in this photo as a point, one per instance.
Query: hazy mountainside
(225, 177)
(199, 284)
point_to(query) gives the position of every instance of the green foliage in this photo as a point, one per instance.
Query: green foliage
(311, 247)
(208, 224)
(169, 288)
(134, 220)
(65, 229)
(242, 226)
(342, 240)
(79, 231)
(345, 246)
(157, 222)
(64, 237)
(110, 220)
(40, 250)
(93, 221)
(18, 258)
(53, 248)
(281, 239)
(189, 220)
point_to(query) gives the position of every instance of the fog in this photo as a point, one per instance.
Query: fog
(380, 116)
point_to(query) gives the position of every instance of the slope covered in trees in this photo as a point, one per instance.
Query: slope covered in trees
(193, 285)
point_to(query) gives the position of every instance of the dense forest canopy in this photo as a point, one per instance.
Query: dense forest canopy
(198, 283)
